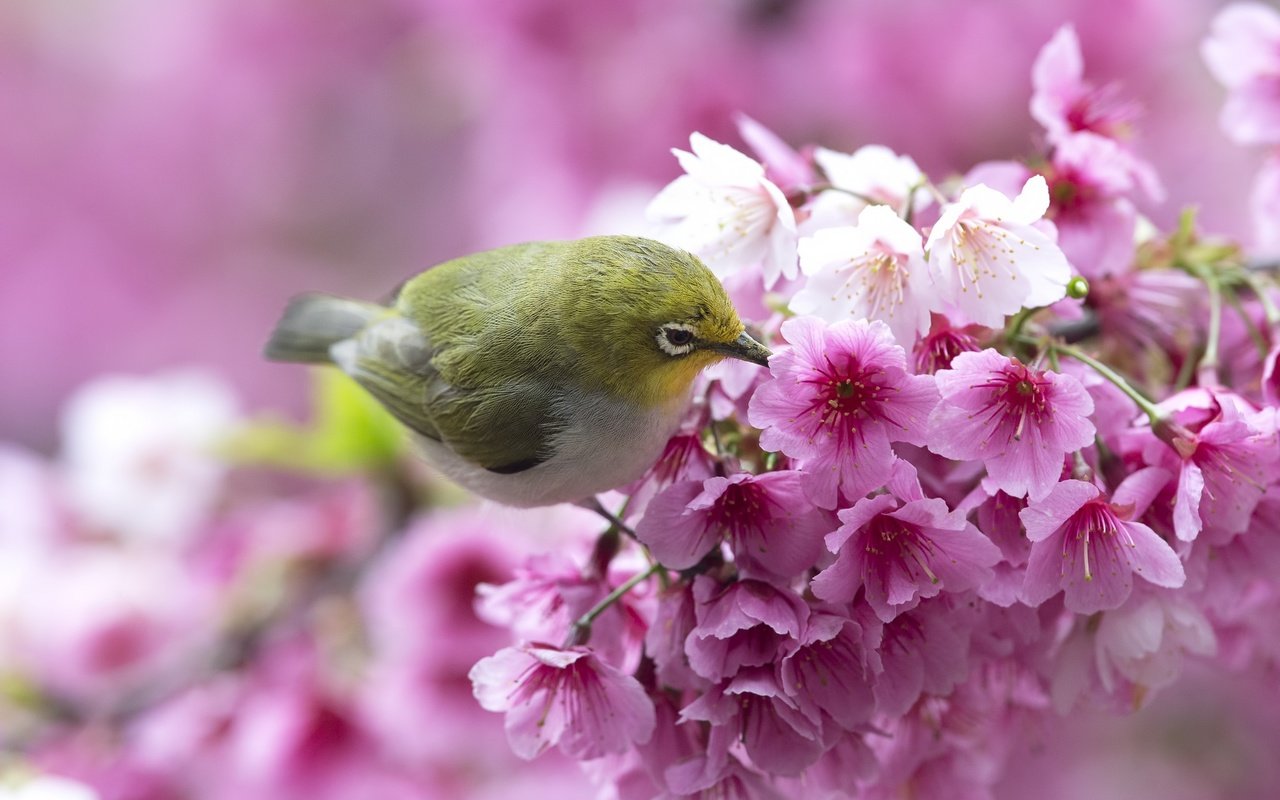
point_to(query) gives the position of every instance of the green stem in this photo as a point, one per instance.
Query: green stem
(1123, 385)
(581, 629)
(1019, 321)
(1207, 373)
(1268, 305)
(1259, 340)
(909, 205)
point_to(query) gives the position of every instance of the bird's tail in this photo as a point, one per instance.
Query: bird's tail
(314, 322)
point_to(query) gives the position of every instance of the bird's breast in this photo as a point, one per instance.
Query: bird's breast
(604, 442)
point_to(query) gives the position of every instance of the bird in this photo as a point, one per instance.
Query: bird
(533, 374)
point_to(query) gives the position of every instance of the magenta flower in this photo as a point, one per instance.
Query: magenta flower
(546, 594)
(840, 395)
(997, 518)
(830, 675)
(1019, 421)
(683, 459)
(549, 592)
(744, 624)
(925, 650)
(1064, 103)
(1090, 182)
(937, 349)
(1090, 548)
(753, 708)
(672, 623)
(903, 553)
(560, 697)
(766, 519)
(1224, 454)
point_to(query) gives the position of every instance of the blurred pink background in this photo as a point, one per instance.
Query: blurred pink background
(171, 172)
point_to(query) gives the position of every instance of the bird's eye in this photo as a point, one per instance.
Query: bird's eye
(675, 339)
(679, 336)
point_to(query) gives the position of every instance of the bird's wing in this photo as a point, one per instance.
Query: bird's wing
(505, 427)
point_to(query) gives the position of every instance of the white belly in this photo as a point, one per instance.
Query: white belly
(608, 443)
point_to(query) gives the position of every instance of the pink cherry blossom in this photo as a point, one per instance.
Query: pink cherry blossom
(549, 592)
(924, 650)
(1147, 309)
(1223, 453)
(702, 779)
(752, 707)
(1145, 640)
(942, 344)
(766, 520)
(1091, 181)
(1019, 421)
(91, 623)
(840, 395)
(872, 270)
(784, 166)
(1090, 548)
(989, 259)
(900, 553)
(1064, 103)
(1120, 658)
(664, 642)
(998, 520)
(725, 210)
(568, 698)
(875, 174)
(1243, 53)
(418, 593)
(745, 624)
(830, 674)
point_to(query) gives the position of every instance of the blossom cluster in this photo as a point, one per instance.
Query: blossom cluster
(1016, 454)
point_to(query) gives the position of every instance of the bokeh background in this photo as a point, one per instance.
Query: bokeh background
(170, 172)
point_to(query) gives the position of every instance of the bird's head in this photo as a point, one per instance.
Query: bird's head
(654, 318)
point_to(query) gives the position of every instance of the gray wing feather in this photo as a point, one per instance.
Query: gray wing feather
(505, 428)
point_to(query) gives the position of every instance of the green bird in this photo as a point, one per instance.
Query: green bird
(535, 374)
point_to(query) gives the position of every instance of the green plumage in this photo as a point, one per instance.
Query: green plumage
(494, 354)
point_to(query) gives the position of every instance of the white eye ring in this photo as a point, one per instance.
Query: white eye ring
(671, 348)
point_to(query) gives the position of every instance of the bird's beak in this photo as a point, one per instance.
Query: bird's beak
(747, 349)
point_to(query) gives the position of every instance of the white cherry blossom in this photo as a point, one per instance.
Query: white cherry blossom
(874, 173)
(139, 452)
(727, 212)
(872, 270)
(988, 258)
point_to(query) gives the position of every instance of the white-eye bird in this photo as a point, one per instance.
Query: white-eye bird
(534, 374)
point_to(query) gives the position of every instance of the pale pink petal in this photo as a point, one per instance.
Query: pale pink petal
(1097, 574)
(964, 559)
(1152, 557)
(1043, 517)
(677, 537)
(1186, 506)
(1243, 43)
(839, 582)
(1043, 578)
(1138, 490)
